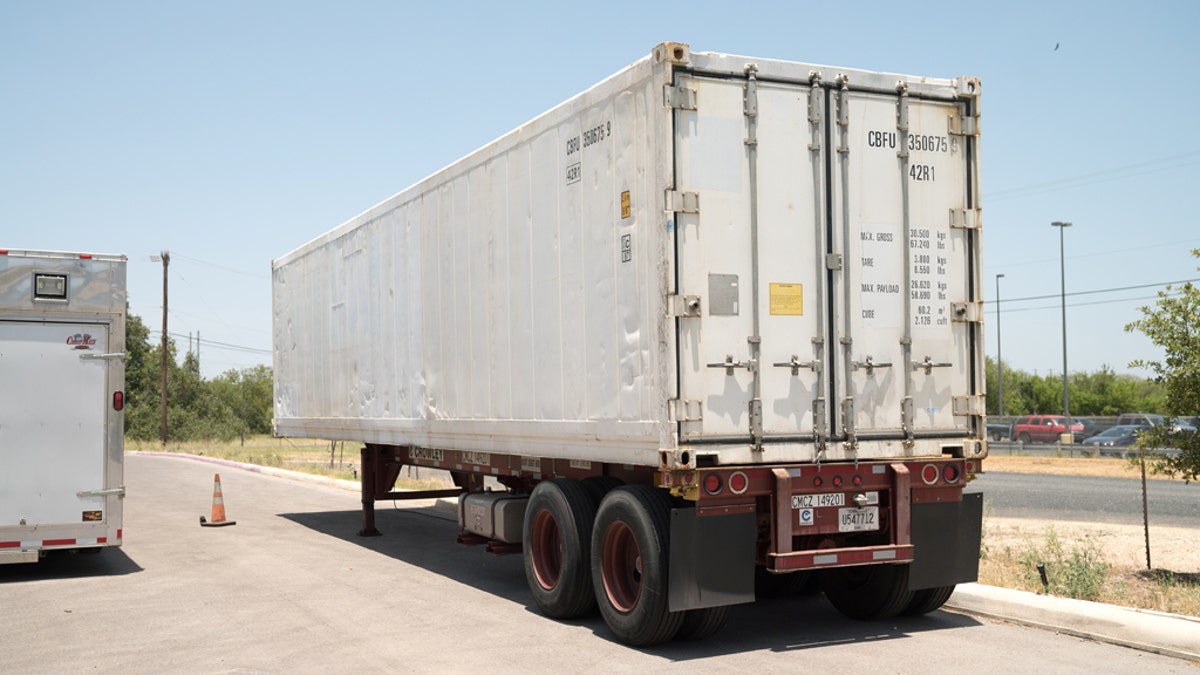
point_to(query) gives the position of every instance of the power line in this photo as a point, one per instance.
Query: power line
(1093, 292)
(221, 267)
(220, 345)
(1127, 171)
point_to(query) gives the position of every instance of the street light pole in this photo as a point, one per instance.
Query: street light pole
(1062, 266)
(999, 356)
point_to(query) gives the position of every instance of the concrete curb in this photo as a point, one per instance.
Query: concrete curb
(1167, 634)
(1157, 632)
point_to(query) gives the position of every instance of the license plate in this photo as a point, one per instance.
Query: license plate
(816, 501)
(858, 520)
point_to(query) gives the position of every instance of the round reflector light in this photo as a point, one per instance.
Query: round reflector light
(818, 481)
(950, 473)
(712, 483)
(738, 483)
(837, 481)
(857, 480)
(929, 474)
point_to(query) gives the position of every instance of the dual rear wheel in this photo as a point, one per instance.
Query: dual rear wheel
(597, 543)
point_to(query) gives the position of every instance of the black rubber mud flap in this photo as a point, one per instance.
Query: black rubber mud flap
(946, 540)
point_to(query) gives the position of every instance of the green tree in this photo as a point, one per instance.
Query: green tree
(236, 402)
(1174, 325)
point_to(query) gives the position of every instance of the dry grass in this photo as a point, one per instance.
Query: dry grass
(1012, 547)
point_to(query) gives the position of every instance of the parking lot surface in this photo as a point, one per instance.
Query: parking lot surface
(291, 588)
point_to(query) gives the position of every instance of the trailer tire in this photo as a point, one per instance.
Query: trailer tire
(630, 545)
(701, 623)
(927, 600)
(868, 592)
(557, 534)
(599, 486)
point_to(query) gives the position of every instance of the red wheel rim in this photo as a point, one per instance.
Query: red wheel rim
(546, 545)
(621, 567)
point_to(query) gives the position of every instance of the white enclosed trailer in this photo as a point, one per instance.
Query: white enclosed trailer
(62, 380)
(752, 283)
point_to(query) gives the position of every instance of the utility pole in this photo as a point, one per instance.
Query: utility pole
(999, 355)
(162, 424)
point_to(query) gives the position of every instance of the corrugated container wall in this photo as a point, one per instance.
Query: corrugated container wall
(704, 254)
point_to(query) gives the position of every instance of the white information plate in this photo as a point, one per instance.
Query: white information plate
(858, 520)
(814, 501)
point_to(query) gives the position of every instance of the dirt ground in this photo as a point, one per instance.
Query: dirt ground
(1172, 549)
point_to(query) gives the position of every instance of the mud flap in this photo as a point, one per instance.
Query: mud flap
(946, 539)
(711, 560)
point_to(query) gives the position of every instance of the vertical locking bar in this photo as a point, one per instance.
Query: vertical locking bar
(750, 109)
(906, 404)
(816, 148)
(846, 340)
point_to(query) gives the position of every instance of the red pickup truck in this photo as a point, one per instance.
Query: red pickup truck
(1042, 428)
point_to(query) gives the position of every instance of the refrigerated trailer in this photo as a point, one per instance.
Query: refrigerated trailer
(62, 381)
(716, 318)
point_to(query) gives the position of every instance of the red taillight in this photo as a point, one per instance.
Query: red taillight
(929, 474)
(857, 480)
(818, 481)
(712, 483)
(738, 483)
(950, 473)
(118, 400)
(837, 481)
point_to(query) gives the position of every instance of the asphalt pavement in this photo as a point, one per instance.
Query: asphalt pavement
(345, 592)
(1161, 633)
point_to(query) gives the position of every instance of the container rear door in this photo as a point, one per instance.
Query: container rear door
(53, 407)
(750, 250)
(900, 188)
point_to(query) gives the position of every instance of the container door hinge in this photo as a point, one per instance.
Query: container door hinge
(967, 125)
(965, 219)
(683, 305)
(679, 98)
(682, 202)
(966, 312)
(685, 410)
(967, 405)
(833, 261)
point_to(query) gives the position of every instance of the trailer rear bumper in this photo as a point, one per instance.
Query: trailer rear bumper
(24, 556)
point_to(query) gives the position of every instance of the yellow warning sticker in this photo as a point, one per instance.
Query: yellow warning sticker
(626, 209)
(787, 299)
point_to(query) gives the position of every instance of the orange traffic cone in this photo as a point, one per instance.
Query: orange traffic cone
(218, 508)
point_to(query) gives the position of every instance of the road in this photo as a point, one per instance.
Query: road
(1088, 499)
(289, 588)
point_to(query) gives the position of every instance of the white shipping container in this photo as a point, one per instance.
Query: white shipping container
(703, 256)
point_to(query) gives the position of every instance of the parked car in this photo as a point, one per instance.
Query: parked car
(1090, 428)
(1140, 419)
(1043, 428)
(998, 431)
(1114, 441)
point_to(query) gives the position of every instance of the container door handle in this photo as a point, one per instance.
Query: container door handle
(119, 356)
(928, 365)
(729, 364)
(869, 365)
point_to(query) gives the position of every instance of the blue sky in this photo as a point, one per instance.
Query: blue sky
(229, 133)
